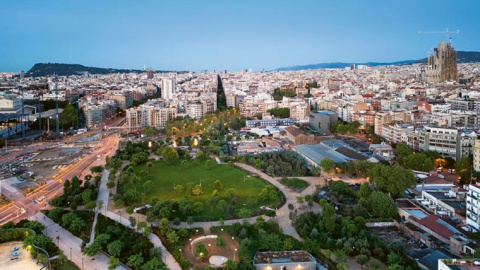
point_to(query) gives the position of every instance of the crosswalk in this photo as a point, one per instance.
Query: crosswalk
(59, 167)
(46, 159)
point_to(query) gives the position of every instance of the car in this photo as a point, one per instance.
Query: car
(16, 253)
(15, 248)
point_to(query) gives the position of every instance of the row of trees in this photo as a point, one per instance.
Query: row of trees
(340, 127)
(286, 163)
(280, 112)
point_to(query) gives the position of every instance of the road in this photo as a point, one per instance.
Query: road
(54, 187)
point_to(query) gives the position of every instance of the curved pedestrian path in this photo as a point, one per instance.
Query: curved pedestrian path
(282, 214)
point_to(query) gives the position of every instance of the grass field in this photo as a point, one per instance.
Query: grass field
(165, 176)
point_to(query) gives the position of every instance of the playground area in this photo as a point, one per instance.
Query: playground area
(215, 256)
(14, 257)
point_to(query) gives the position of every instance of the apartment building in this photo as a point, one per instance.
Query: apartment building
(449, 142)
(153, 113)
(473, 206)
(382, 118)
(300, 111)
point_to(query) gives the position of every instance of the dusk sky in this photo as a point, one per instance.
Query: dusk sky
(232, 35)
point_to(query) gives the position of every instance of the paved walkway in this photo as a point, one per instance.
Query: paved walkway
(70, 245)
(282, 214)
(103, 195)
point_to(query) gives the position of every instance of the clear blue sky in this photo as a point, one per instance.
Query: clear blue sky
(195, 35)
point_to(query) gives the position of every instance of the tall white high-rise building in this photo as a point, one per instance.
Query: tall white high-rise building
(168, 87)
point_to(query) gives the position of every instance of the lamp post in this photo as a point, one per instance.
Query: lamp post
(70, 253)
(82, 262)
(48, 124)
(235, 255)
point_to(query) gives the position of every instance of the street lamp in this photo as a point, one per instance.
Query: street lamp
(235, 255)
(82, 262)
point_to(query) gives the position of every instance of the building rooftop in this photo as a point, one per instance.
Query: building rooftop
(456, 264)
(317, 152)
(323, 112)
(272, 257)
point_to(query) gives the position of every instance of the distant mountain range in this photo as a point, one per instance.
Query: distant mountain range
(462, 57)
(48, 69)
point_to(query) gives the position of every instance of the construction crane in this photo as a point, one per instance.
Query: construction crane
(447, 33)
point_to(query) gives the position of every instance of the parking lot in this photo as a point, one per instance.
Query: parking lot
(8, 262)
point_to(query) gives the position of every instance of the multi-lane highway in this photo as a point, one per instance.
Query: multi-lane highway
(27, 205)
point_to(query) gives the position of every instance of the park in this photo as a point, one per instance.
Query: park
(200, 180)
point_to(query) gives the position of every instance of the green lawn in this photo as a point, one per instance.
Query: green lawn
(165, 176)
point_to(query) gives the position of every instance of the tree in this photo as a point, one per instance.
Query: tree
(361, 259)
(67, 219)
(221, 98)
(201, 155)
(209, 163)
(327, 164)
(115, 248)
(147, 186)
(200, 250)
(382, 205)
(172, 237)
(300, 199)
(113, 263)
(244, 213)
(77, 224)
(403, 152)
(35, 226)
(133, 221)
(217, 185)
(164, 226)
(463, 164)
(190, 220)
(393, 180)
(197, 207)
(230, 265)
(328, 217)
(222, 205)
(220, 242)
(38, 240)
(92, 249)
(111, 184)
(55, 213)
(87, 195)
(365, 190)
(148, 131)
(197, 190)
(154, 264)
(135, 261)
(419, 162)
(169, 154)
(149, 166)
(280, 112)
(178, 189)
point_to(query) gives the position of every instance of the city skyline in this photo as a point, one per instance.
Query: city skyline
(213, 36)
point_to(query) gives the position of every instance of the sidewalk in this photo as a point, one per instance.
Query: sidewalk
(70, 245)
(103, 195)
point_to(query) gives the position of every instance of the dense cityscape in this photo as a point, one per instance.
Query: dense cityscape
(361, 165)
